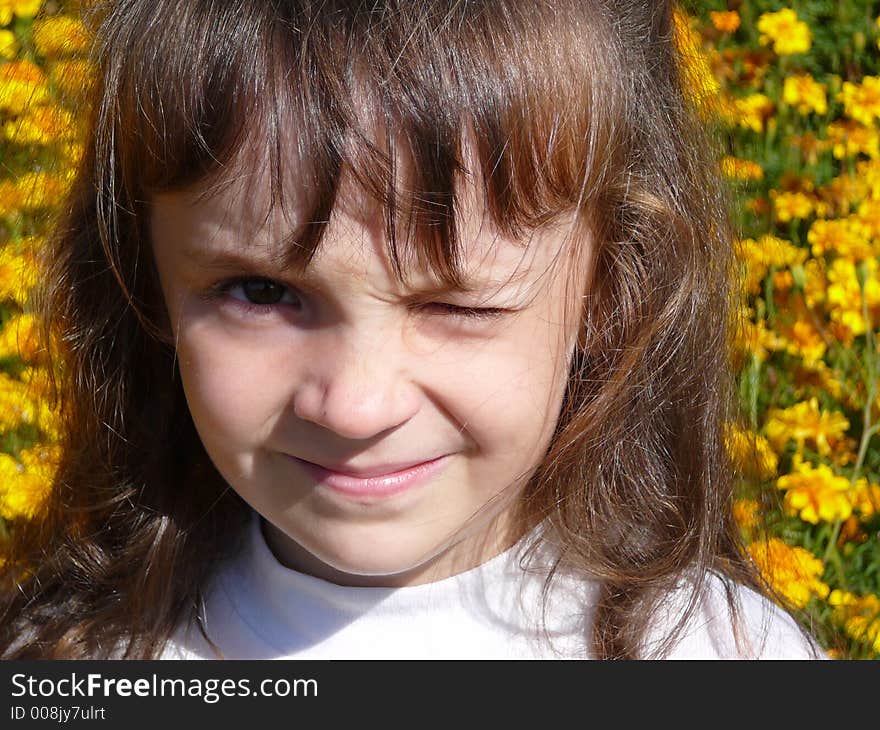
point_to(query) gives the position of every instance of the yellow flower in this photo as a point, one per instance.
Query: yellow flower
(70, 154)
(846, 190)
(815, 493)
(36, 386)
(18, 273)
(816, 374)
(862, 101)
(792, 205)
(30, 192)
(787, 34)
(17, 405)
(20, 338)
(21, 8)
(40, 125)
(865, 498)
(22, 492)
(41, 460)
(22, 83)
(792, 571)
(859, 616)
(750, 112)
(738, 169)
(772, 251)
(754, 337)
(805, 422)
(849, 138)
(747, 512)
(768, 251)
(71, 76)
(750, 452)
(27, 482)
(868, 216)
(60, 35)
(726, 21)
(805, 93)
(804, 341)
(816, 283)
(8, 44)
(844, 296)
(27, 402)
(848, 237)
(698, 78)
(867, 174)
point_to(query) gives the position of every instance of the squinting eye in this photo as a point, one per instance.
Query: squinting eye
(261, 296)
(463, 312)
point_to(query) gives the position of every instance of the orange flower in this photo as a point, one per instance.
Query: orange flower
(725, 21)
(747, 513)
(738, 169)
(795, 573)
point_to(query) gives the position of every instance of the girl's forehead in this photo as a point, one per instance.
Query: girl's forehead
(236, 217)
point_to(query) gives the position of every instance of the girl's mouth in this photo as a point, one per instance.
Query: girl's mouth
(375, 486)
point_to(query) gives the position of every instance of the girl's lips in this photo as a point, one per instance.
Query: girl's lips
(375, 487)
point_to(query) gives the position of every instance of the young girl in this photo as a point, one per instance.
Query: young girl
(391, 329)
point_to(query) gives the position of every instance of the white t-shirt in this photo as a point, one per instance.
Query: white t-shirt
(256, 608)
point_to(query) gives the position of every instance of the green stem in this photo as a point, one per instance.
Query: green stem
(754, 382)
(768, 295)
(868, 428)
(831, 548)
(832, 554)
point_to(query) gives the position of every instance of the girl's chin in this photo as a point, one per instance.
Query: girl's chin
(357, 563)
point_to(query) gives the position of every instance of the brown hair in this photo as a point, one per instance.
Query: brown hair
(577, 108)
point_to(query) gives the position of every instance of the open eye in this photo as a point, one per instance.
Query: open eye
(254, 294)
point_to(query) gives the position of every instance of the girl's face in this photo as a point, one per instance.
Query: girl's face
(347, 369)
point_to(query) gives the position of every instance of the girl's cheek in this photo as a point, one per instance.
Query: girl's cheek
(235, 384)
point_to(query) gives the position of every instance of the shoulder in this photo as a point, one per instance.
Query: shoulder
(755, 628)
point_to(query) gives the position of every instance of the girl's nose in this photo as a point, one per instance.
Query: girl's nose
(356, 390)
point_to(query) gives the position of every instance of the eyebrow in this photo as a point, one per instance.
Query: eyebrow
(220, 259)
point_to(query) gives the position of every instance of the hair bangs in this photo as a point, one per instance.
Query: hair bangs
(408, 102)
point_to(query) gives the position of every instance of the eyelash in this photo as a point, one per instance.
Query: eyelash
(222, 288)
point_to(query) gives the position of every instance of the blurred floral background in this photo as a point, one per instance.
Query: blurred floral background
(794, 91)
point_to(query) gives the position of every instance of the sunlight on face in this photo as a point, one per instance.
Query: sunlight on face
(344, 367)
